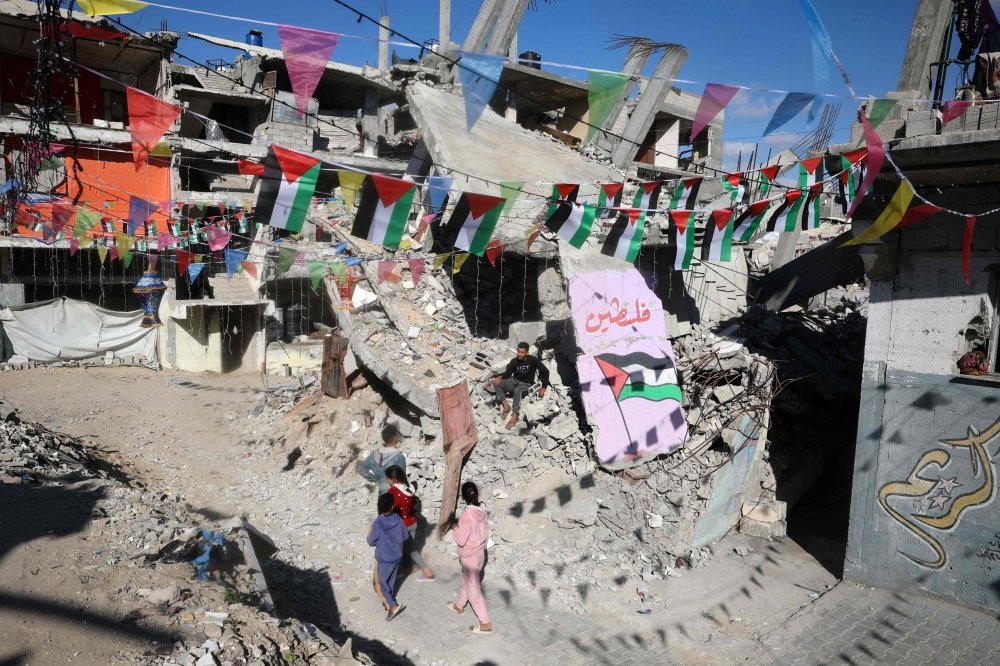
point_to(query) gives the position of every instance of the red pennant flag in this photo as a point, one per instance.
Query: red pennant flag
(249, 267)
(970, 225)
(306, 54)
(113, 253)
(248, 168)
(918, 213)
(416, 270)
(953, 109)
(532, 236)
(74, 245)
(149, 118)
(385, 269)
(183, 261)
(493, 250)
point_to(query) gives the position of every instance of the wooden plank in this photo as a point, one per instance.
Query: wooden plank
(459, 436)
(333, 378)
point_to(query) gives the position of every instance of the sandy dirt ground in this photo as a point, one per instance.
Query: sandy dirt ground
(183, 433)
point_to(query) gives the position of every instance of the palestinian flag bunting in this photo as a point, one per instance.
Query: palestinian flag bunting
(811, 219)
(810, 172)
(852, 173)
(749, 221)
(608, 198)
(640, 375)
(767, 176)
(286, 189)
(788, 216)
(561, 192)
(717, 244)
(473, 221)
(682, 224)
(736, 185)
(572, 222)
(625, 238)
(646, 197)
(685, 194)
(384, 209)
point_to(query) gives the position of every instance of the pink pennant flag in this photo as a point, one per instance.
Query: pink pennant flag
(74, 245)
(218, 238)
(165, 240)
(385, 269)
(306, 54)
(876, 157)
(153, 257)
(300, 259)
(249, 267)
(416, 270)
(113, 252)
(425, 222)
(953, 109)
(714, 99)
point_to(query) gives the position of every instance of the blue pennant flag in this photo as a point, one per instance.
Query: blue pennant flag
(351, 261)
(139, 211)
(339, 248)
(480, 75)
(194, 270)
(8, 186)
(823, 57)
(788, 109)
(233, 260)
(437, 190)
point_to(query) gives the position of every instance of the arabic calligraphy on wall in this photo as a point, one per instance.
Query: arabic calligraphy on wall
(928, 504)
(617, 314)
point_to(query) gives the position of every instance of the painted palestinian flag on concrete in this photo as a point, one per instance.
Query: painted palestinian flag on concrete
(682, 226)
(810, 172)
(572, 222)
(746, 225)
(788, 216)
(640, 375)
(736, 185)
(472, 222)
(384, 209)
(685, 194)
(811, 218)
(717, 244)
(561, 192)
(608, 198)
(286, 189)
(625, 238)
(767, 176)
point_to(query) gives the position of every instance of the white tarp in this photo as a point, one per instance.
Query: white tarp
(68, 330)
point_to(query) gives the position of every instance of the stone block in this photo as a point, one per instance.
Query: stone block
(515, 448)
(920, 123)
(755, 528)
(765, 511)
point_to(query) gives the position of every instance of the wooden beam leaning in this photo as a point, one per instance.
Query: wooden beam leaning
(458, 437)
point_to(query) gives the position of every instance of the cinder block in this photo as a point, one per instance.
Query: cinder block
(751, 527)
(765, 511)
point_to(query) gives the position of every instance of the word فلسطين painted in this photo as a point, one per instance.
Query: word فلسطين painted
(946, 499)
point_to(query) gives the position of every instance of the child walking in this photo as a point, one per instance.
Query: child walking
(406, 502)
(387, 534)
(471, 535)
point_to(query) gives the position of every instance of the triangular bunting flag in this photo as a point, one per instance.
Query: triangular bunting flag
(718, 241)
(165, 240)
(562, 192)
(287, 188)
(218, 238)
(876, 156)
(510, 190)
(767, 176)
(124, 243)
(493, 250)
(953, 109)
(86, 241)
(714, 99)
(286, 259)
(810, 172)
(824, 59)
(385, 269)
(479, 74)
(250, 267)
(749, 221)
(127, 259)
(625, 237)
(788, 108)
(139, 211)
(383, 211)
(248, 168)
(350, 184)
(888, 218)
(306, 54)
(317, 271)
(149, 118)
(682, 224)
(74, 245)
(86, 220)
(604, 91)
(970, 227)
(917, 214)
(102, 253)
(437, 191)
(113, 252)
(609, 197)
(472, 223)
(194, 270)
(736, 185)
(425, 222)
(233, 259)
(530, 234)
(440, 260)
(460, 260)
(416, 270)
(110, 7)
(685, 194)
(183, 261)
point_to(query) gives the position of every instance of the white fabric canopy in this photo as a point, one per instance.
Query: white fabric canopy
(69, 330)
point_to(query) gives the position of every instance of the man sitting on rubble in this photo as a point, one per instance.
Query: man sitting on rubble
(518, 378)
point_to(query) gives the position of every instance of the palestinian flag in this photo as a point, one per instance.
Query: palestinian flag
(646, 197)
(572, 222)
(811, 219)
(852, 173)
(561, 192)
(384, 209)
(287, 188)
(736, 185)
(625, 238)
(471, 224)
(685, 194)
(718, 242)
(767, 176)
(640, 375)
(810, 172)
(788, 216)
(747, 224)
(609, 197)
(682, 224)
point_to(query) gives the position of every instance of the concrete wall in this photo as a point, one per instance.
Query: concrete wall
(922, 510)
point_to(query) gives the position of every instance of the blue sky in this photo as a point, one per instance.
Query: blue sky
(755, 43)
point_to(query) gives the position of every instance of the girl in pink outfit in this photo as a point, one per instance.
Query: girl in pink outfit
(471, 535)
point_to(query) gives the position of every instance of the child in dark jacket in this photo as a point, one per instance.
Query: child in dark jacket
(387, 534)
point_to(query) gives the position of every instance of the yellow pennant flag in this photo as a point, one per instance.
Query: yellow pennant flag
(110, 7)
(102, 252)
(86, 241)
(889, 218)
(350, 183)
(124, 242)
(459, 262)
(440, 259)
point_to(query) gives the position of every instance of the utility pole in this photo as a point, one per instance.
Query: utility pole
(444, 24)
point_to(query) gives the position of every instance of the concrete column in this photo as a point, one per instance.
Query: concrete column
(506, 27)
(444, 24)
(483, 26)
(636, 59)
(383, 44)
(648, 105)
(930, 26)
(369, 123)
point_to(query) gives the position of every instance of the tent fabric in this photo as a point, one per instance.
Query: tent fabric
(69, 330)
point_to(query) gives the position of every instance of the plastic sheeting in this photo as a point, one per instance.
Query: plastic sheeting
(68, 330)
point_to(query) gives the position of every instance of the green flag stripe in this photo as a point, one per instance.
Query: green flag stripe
(304, 189)
(650, 392)
(583, 232)
(397, 222)
(484, 232)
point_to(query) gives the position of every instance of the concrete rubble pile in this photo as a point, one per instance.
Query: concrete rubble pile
(141, 544)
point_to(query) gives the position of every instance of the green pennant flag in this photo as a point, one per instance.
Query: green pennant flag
(286, 257)
(86, 219)
(879, 111)
(127, 259)
(317, 270)
(509, 191)
(605, 90)
(338, 269)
